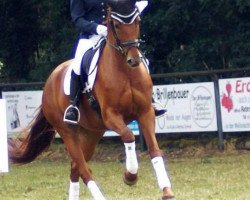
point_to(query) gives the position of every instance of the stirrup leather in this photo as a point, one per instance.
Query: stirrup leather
(74, 111)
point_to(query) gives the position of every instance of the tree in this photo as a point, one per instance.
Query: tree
(18, 35)
(180, 36)
(36, 37)
(56, 37)
(197, 34)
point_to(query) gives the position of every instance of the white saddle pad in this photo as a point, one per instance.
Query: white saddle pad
(91, 76)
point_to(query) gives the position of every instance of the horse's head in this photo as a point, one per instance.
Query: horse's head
(124, 29)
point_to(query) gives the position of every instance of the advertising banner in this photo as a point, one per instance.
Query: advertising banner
(190, 107)
(21, 107)
(3, 138)
(235, 104)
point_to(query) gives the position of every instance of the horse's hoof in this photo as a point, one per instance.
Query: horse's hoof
(168, 198)
(130, 179)
(168, 194)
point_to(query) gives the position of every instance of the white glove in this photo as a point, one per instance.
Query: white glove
(102, 30)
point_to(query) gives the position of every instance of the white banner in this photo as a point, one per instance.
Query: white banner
(235, 104)
(3, 138)
(191, 107)
(21, 107)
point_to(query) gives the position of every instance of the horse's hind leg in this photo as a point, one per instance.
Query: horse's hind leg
(81, 148)
(147, 124)
(74, 188)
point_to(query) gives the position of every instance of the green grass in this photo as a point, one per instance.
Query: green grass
(209, 178)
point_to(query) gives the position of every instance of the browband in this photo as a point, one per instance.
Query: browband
(125, 19)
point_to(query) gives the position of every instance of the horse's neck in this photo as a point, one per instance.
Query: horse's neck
(117, 61)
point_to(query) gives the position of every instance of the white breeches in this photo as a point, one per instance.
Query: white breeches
(82, 47)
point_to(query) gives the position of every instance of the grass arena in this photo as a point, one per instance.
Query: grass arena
(196, 171)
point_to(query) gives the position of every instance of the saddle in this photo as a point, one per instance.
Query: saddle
(89, 66)
(90, 61)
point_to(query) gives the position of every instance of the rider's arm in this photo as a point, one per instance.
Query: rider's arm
(78, 12)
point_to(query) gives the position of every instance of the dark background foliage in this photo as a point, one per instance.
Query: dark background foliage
(180, 36)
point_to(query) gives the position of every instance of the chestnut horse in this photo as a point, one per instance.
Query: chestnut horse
(123, 90)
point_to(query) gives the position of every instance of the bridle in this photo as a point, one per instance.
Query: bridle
(119, 45)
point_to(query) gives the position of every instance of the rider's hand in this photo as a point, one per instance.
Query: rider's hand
(102, 30)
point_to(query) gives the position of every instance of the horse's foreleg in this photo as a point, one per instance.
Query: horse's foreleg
(116, 123)
(130, 175)
(147, 124)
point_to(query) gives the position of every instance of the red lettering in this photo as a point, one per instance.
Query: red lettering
(238, 86)
(242, 87)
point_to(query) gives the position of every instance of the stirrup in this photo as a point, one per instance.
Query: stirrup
(71, 115)
(159, 109)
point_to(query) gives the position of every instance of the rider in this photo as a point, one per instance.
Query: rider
(89, 16)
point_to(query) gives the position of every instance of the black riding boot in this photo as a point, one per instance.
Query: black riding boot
(72, 113)
(158, 111)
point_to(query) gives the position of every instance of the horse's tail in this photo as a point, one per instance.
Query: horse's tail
(39, 138)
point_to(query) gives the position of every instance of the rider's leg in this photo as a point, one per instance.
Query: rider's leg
(72, 114)
(158, 108)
